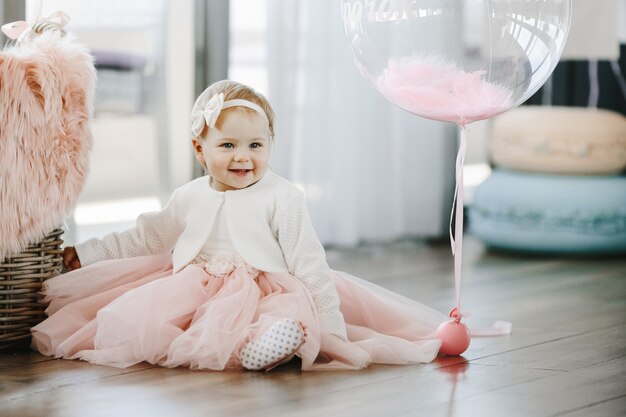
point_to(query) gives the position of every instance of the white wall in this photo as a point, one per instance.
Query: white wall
(594, 33)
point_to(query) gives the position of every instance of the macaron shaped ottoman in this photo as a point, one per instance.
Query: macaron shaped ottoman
(559, 140)
(550, 213)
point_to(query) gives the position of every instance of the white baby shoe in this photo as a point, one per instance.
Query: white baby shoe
(276, 346)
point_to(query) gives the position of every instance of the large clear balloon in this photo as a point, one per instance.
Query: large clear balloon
(456, 60)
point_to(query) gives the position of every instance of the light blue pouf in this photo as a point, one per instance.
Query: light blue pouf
(550, 213)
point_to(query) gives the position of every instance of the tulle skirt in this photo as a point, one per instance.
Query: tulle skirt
(126, 311)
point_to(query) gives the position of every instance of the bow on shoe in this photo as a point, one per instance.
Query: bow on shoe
(57, 20)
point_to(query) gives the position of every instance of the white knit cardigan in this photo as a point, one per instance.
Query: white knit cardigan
(269, 225)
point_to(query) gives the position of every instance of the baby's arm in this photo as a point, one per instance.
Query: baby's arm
(306, 260)
(154, 232)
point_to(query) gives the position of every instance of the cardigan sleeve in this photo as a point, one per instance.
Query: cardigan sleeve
(306, 260)
(154, 232)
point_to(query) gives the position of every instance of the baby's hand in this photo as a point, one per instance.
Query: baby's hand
(70, 258)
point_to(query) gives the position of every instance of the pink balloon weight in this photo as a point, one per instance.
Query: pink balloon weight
(456, 60)
(455, 337)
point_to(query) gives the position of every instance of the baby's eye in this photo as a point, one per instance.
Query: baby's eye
(255, 145)
(227, 145)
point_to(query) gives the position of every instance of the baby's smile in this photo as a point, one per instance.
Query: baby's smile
(240, 172)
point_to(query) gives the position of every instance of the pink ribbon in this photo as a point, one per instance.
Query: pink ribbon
(499, 328)
(456, 240)
(14, 30)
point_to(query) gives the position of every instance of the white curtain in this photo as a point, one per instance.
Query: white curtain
(370, 170)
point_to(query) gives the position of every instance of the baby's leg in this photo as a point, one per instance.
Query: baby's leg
(276, 346)
(279, 328)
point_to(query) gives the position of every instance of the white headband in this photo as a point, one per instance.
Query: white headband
(207, 112)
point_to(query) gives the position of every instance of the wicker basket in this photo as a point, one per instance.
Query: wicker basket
(21, 278)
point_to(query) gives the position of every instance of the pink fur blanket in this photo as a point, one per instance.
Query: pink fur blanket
(46, 101)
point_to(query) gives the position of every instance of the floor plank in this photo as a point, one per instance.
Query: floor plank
(339, 393)
(611, 408)
(550, 396)
(591, 348)
(406, 394)
(52, 374)
(13, 359)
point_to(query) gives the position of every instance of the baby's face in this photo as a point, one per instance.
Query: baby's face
(236, 154)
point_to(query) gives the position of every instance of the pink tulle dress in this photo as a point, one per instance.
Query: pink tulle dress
(126, 311)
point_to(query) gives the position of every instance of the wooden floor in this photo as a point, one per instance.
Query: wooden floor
(566, 356)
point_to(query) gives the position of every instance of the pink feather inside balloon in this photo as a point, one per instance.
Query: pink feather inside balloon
(439, 90)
